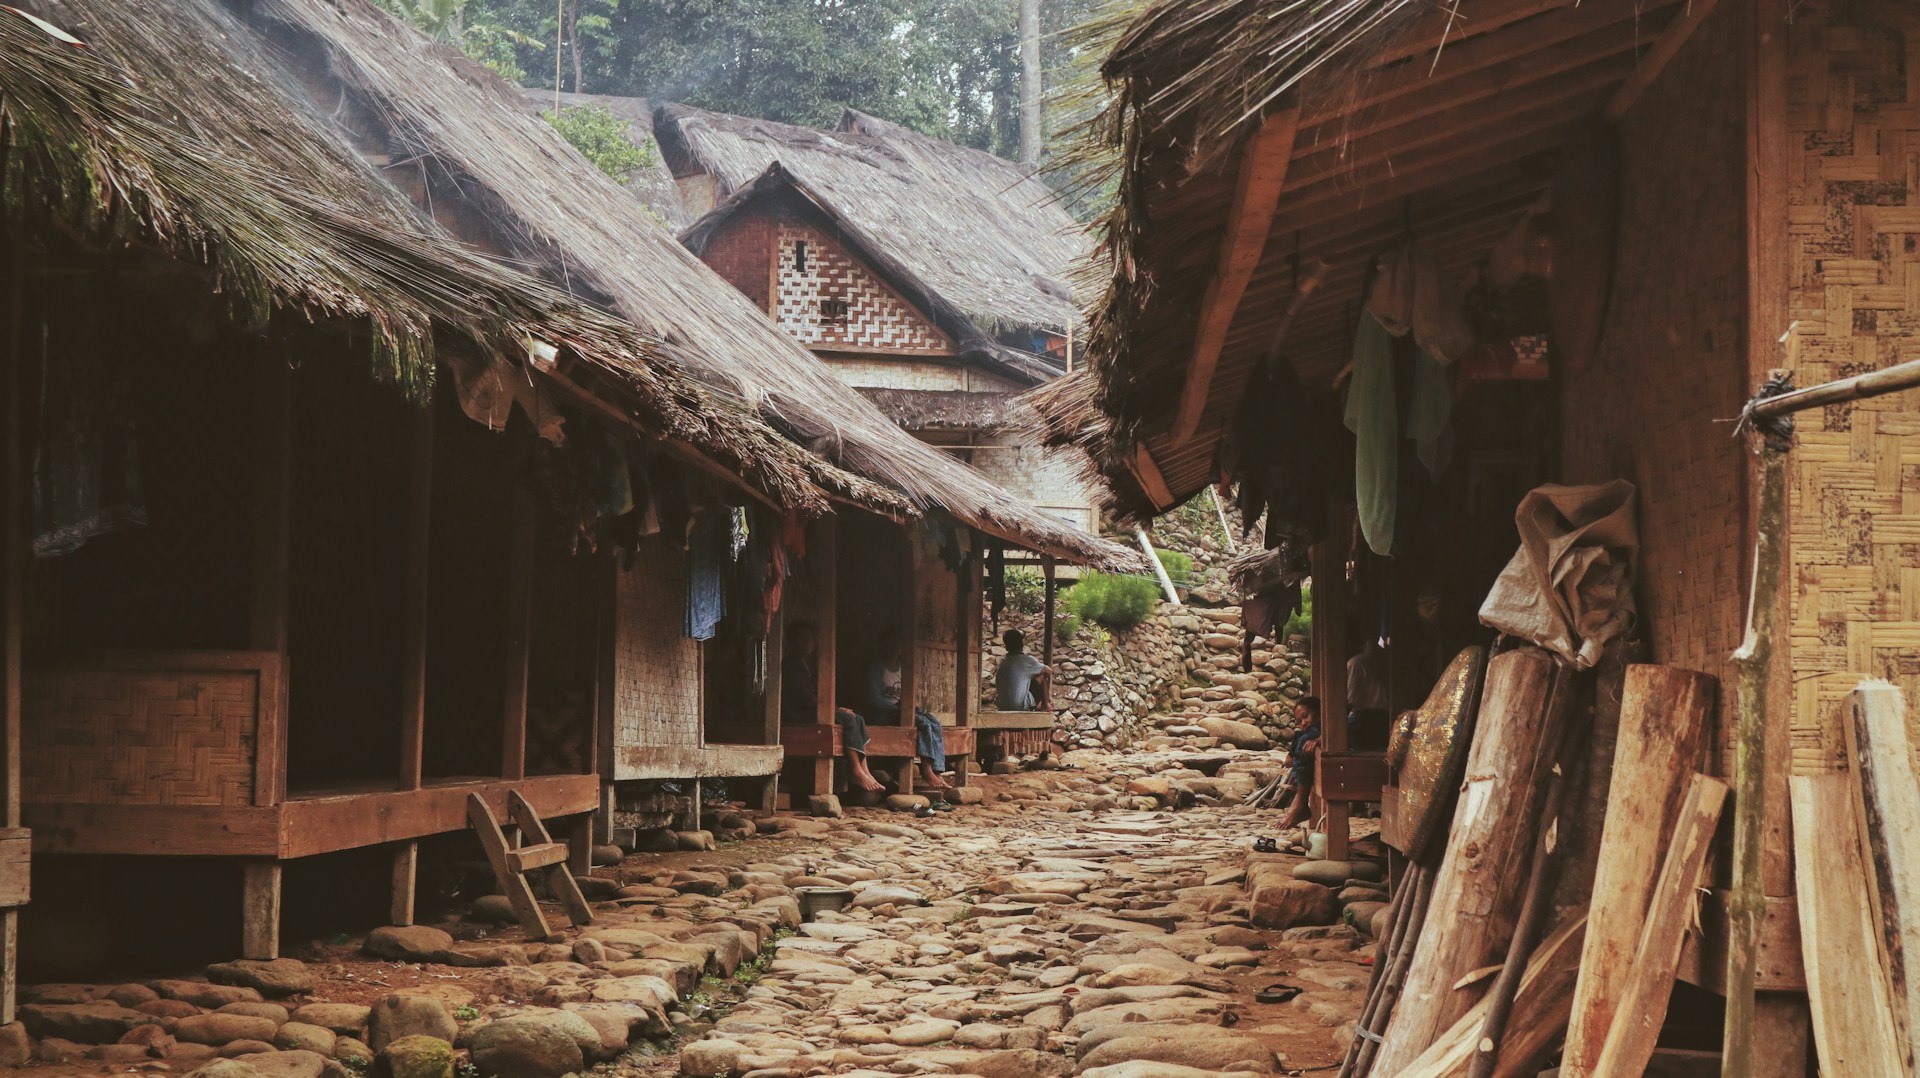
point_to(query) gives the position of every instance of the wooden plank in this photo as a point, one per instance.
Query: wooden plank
(544, 855)
(1665, 717)
(1779, 969)
(1153, 483)
(1474, 891)
(406, 882)
(696, 762)
(1013, 720)
(811, 739)
(1691, 15)
(260, 910)
(776, 657)
(1884, 784)
(322, 825)
(413, 662)
(1540, 1009)
(1852, 1003)
(519, 572)
(16, 853)
(909, 616)
(1351, 776)
(1261, 174)
(272, 554)
(169, 830)
(1642, 1007)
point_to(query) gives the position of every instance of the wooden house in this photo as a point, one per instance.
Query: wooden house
(1673, 200)
(257, 545)
(930, 276)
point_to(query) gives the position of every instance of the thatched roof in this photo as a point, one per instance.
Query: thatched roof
(652, 182)
(169, 128)
(556, 212)
(1377, 119)
(977, 233)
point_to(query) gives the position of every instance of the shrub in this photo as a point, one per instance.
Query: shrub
(1301, 623)
(1026, 591)
(602, 138)
(1179, 566)
(1066, 626)
(1118, 602)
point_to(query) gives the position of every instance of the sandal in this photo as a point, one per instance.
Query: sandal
(1265, 844)
(1276, 993)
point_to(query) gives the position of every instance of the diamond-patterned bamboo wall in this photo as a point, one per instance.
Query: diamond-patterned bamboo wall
(1853, 125)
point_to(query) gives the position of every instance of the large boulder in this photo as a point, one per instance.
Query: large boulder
(418, 1056)
(525, 1048)
(1244, 735)
(1278, 900)
(406, 1014)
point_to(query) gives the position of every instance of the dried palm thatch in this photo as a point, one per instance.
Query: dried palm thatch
(559, 213)
(158, 132)
(976, 232)
(1184, 83)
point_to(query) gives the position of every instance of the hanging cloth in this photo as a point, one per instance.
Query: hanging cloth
(1371, 417)
(707, 543)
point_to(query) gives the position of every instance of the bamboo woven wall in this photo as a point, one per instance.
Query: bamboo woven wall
(1672, 359)
(1853, 264)
(657, 669)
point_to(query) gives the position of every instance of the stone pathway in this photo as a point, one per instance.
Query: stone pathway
(1095, 920)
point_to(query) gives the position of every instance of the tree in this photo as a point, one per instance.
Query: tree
(486, 40)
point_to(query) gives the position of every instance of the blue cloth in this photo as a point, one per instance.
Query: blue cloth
(929, 739)
(1301, 773)
(706, 578)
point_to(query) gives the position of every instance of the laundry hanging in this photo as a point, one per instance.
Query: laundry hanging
(707, 557)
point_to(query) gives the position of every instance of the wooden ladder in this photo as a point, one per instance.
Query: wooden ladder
(538, 853)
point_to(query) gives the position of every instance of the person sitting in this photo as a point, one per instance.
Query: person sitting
(883, 700)
(1023, 683)
(1306, 717)
(800, 703)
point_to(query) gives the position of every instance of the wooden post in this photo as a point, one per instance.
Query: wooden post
(909, 643)
(606, 681)
(776, 658)
(966, 647)
(260, 909)
(580, 844)
(513, 750)
(413, 694)
(825, 551)
(1666, 717)
(1046, 628)
(1328, 563)
(272, 494)
(1475, 894)
(15, 533)
(406, 881)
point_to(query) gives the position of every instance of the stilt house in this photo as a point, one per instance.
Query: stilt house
(1642, 210)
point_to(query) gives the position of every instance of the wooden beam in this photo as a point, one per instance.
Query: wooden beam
(413, 661)
(1147, 473)
(1691, 15)
(260, 910)
(1261, 176)
(350, 821)
(1670, 916)
(1853, 1024)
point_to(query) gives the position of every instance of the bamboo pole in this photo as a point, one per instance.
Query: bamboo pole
(1159, 569)
(1878, 383)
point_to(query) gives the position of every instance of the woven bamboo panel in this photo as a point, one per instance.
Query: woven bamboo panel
(1853, 119)
(657, 669)
(113, 734)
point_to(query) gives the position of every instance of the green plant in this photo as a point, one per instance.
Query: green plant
(1301, 622)
(466, 1070)
(1117, 602)
(492, 43)
(1026, 591)
(601, 137)
(1066, 627)
(1179, 566)
(358, 1066)
(466, 1012)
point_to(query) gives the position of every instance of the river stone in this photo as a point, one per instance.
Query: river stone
(16, 1047)
(225, 1068)
(1020, 1063)
(1337, 873)
(711, 1058)
(887, 894)
(1284, 903)
(492, 910)
(85, 1023)
(417, 1056)
(290, 1064)
(345, 1018)
(1147, 1069)
(405, 1014)
(524, 1047)
(1219, 1049)
(407, 943)
(202, 994)
(279, 977)
(225, 1028)
(304, 1037)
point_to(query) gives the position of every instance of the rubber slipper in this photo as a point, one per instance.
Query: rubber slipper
(1276, 993)
(1264, 844)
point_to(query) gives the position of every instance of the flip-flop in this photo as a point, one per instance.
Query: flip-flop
(1276, 993)
(1265, 844)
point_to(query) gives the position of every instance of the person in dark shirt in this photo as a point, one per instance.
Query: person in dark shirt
(800, 702)
(1306, 717)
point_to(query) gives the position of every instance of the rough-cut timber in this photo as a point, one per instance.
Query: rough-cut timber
(1889, 797)
(1665, 716)
(1540, 1010)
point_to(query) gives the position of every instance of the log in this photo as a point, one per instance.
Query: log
(1889, 796)
(1852, 1005)
(1474, 896)
(1540, 1010)
(1649, 986)
(1665, 715)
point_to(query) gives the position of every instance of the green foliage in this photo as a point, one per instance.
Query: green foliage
(1179, 566)
(1301, 623)
(466, 1070)
(1026, 591)
(358, 1066)
(1118, 602)
(1066, 627)
(493, 43)
(466, 1012)
(601, 137)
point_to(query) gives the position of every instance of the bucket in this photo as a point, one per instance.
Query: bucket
(817, 900)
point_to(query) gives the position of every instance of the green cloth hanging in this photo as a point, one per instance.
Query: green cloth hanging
(1370, 415)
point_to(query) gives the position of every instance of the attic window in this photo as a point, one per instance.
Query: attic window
(835, 311)
(800, 256)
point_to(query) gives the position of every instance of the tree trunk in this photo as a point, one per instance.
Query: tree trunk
(1030, 135)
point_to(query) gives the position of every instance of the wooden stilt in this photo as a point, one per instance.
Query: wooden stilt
(406, 882)
(580, 845)
(825, 553)
(260, 909)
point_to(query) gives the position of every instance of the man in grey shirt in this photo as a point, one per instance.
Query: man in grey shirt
(1022, 681)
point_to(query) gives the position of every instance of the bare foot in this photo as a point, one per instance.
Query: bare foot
(936, 782)
(868, 783)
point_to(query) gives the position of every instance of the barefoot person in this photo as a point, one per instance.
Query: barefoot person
(800, 701)
(883, 700)
(1306, 718)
